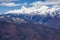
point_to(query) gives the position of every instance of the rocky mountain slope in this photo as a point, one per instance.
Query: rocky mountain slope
(38, 25)
(12, 30)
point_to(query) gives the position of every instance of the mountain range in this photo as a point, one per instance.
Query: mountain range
(48, 16)
(41, 25)
(23, 30)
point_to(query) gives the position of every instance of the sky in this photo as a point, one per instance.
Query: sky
(22, 6)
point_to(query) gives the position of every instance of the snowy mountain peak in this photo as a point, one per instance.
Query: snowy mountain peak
(43, 10)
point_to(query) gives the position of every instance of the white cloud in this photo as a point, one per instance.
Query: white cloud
(56, 6)
(29, 10)
(47, 2)
(22, 10)
(7, 0)
(9, 4)
(37, 4)
(37, 7)
(52, 2)
(43, 10)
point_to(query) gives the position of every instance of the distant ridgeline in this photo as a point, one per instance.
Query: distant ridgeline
(13, 27)
(30, 26)
(49, 18)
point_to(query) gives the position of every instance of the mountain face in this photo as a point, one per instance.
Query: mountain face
(48, 17)
(12, 30)
(42, 25)
(54, 23)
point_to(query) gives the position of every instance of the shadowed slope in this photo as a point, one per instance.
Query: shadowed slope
(45, 32)
(7, 29)
(10, 30)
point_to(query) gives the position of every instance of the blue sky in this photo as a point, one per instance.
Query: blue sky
(28, 1)
(6, 5)
(6, 8)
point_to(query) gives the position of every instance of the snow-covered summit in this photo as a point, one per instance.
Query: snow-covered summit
(43, 10)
